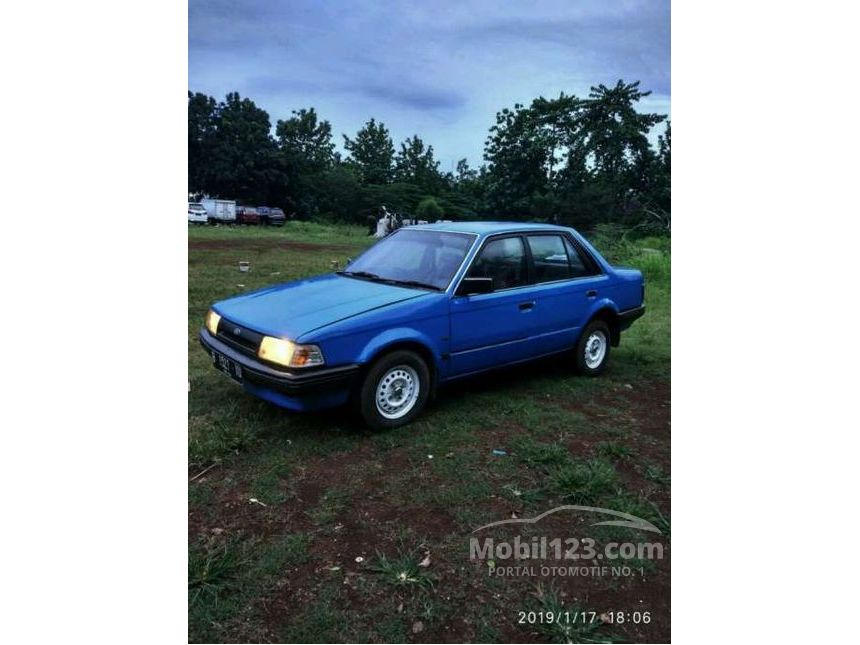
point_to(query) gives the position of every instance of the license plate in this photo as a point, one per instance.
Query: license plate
(229, 367)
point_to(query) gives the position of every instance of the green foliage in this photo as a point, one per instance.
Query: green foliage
(305, 141)
(212, 570)
(571, 160)
(402, 570)
(429, 209)
(371, 153)
(573, 623)
(282, 553)
(231, 151)
(614, 450)
(579, 161)
(541, 454)
(415, 164)
(583, 482)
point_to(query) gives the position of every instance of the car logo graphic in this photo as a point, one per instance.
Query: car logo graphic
(237, 331)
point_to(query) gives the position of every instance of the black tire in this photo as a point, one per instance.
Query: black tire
(585, 355)
(366, 395)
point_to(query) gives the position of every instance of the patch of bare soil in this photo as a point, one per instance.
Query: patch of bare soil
(371, 518)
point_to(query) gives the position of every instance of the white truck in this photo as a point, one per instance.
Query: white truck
(220, 210)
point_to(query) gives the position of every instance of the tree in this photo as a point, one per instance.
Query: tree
(428, 209)
(338, 194)
(415, 164)
(241, 161)
(307, 151)
(659, 206)
(567, 159)
(614, 137)
(371, 153)
(306, 140)
(464, 173)
(525, 150)
(202, 112)
(575, 160)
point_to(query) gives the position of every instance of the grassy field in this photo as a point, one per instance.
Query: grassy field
(360, 536)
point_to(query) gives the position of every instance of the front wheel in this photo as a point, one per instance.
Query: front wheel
(394, 390)
(592, 350)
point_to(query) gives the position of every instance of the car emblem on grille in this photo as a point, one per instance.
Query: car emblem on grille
(237, 331)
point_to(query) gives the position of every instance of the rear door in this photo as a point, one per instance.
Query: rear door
(492, 329)
(566, 282)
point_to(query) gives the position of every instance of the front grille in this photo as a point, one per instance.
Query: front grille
(238, 337)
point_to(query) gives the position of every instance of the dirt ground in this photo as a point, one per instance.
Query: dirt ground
(369, 523)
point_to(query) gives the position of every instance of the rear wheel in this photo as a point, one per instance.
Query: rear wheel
(592, 350)
(394, 390)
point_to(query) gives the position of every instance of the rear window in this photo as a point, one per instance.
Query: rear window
(550, 258)
(556, 258)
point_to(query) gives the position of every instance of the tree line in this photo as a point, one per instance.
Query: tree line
(573, 160)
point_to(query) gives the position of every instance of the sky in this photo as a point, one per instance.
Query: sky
(438, 69)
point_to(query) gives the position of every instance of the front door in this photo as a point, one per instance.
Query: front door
(493, 329)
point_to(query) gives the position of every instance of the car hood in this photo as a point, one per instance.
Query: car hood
(295, 308)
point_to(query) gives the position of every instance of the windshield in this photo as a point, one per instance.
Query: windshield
(414, 257)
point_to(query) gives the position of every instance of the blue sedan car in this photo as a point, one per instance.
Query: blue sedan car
(426, 305)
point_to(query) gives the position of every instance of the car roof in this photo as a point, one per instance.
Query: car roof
(487, 228)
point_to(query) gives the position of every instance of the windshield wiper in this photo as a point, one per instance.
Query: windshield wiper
(361, 274)
(414, 283)
(366, 275)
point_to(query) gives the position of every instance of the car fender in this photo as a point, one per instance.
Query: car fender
(597, 305)
(391, 337)
(605, 304)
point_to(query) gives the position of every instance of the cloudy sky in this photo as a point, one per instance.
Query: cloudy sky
(438, 69)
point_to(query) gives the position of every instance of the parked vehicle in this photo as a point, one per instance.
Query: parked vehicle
(220, 210)
(271, 216)
(247, 215)
(426, 305)
(276, 217)
(197, 214)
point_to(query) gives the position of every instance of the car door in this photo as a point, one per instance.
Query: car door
(492, 329)
(566, 283)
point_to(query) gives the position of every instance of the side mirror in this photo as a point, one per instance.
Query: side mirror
(473, 286)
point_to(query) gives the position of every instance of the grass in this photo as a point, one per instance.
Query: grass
(403, 570)
(571, 623)
(584, 482)
(333, 491)
(212, 571)
(332, 502)
(614, 450)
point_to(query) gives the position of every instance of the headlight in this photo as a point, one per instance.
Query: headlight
(287, 353)
(212, 320)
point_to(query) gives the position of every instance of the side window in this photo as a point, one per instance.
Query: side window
(502, 260)
(550, 258)
(579, 267)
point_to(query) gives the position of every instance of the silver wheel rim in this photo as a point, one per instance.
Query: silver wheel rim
(397, 392)
(595, 349)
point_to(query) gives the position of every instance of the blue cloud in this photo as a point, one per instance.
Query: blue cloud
(440, 69)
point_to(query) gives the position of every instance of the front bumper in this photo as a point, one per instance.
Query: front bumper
(296, 390)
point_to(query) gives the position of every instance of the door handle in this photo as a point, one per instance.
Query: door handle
(591, 293)
(527, 306)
